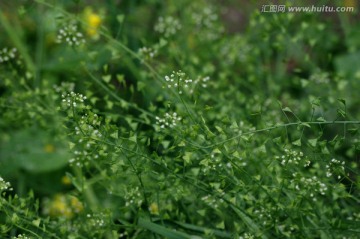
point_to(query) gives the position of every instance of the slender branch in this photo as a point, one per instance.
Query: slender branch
(271, 128)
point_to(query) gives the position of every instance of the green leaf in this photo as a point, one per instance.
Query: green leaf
(248, 221)
(106, 68)
(287, 109)
(353, 131)
(321, 119)
(74, 181)
(305, 124)
(162, 42)
(165, 143)
(121, 79)
(245, 138)
(114, 135)
(218, 233)
(219, 129)
(342, 101)
(297, 142)
(71, 145)
(133, 138)
(313, 142)
(205, 125)
(106, 78)
(33, 150)
(36, 223)
(187, 157)
(261, 149)
(21, 10)
(120, 18)
(325, 150)
(341, 112)
(221, 225)
(140, 85)
(304, 83)
(162, 230)
(277, 140)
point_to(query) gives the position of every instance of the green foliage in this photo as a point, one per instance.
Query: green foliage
(146, 119)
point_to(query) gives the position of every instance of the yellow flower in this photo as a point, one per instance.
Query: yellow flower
(93, 22)
(49, 148)
(65, 180)
(58, 207)
(154, 208)
(64, 206)
(76, 205)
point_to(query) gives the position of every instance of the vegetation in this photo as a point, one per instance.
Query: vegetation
(160, 119)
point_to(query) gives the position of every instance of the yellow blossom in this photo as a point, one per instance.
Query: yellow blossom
(154, 208)
(58, 207)
(65, 180)
(93, 22)
(64, 206)
(76, 205)
(49, 148)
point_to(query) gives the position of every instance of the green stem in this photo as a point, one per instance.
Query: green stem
(17, 42)
(274, 127)
(112, 94)
(87, 189)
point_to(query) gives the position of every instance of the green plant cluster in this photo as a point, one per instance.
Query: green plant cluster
(151, 119)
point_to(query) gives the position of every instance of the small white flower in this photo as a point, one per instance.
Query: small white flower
(167, 26)
(7, 55)
(71, 35)
(4, 185)
(169, 120)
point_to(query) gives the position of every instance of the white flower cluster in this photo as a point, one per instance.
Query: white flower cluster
(70, 35)
(309, 185)
(236, 49)
(201, 81)
(212, 201)
(133, 197)
(7, 55)
(205, 18)
(247, 236)
(87, 131)
(264, 214)
(206, 21)
(335, 166)
(4, 185)
(64, 87)
(73, 99)
(123, 235)
(96, 220)
(320, 78)
(169, 120)
(81, 158)
(178, 80)
(215, 163)
(21, 236)
(147, 53)
(87, 126)
(168, 26)
(293, 157)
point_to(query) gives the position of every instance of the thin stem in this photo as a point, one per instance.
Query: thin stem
(17, 42)
(271, 128)
(138, 175)
(112, 94)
